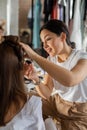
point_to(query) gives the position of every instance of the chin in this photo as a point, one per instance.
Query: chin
(52, 55)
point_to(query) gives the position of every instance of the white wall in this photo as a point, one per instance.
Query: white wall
(9, 11)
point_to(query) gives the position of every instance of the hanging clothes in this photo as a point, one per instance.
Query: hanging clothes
(67, 13)
(62, 4)
(85, 28)
(70, 26)
(71, 8)
(82, 10)
(30, 19)
(76, 31)
(36, 24)
(54, 10)
(85, 10)
(61, 13)
(48, 5)
(58, 12)
(85, 36)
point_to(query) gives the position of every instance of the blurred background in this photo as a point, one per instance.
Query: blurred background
(25, 17)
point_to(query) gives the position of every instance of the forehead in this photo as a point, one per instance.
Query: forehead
(45, 33)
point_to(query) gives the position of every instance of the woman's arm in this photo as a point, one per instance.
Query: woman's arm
(45, 89)
(62, 75)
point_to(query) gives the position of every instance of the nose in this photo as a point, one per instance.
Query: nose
(45, 45)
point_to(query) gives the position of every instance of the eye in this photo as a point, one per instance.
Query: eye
(49, 38)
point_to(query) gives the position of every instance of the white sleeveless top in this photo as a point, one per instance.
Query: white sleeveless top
(77, 93)
(29, 118)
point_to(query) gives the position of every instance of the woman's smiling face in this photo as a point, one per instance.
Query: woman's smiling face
(52, 43)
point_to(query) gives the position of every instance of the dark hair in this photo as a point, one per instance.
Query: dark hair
(11, 75)
(57, 27)
(1, 28)
(24, 33)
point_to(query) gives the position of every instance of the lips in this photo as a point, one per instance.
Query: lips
(49, 50)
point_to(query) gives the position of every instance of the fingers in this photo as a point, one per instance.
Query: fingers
(24, 46)
(27, 50)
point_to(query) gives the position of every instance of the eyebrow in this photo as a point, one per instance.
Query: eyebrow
(46, 35)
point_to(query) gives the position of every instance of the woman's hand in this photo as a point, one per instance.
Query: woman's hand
(30, 72)
(30, 52)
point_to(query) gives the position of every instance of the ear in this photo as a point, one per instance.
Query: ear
(63, 36)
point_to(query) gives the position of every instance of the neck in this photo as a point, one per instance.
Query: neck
(64, 55)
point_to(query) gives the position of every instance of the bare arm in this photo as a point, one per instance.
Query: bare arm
(45, 89)
(62, 75)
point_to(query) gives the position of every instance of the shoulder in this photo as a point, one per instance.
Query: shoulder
(78, 55)
(34, 104)
(28, 117)
(35, 100)
(81, 54)
(81, 61)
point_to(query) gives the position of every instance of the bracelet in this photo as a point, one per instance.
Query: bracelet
(37, 83)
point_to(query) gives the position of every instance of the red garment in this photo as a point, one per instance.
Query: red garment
(54, 10)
